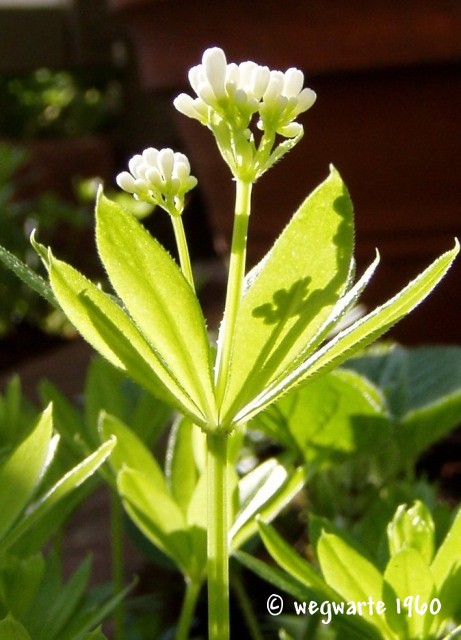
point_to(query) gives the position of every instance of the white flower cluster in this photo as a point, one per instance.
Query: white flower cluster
(236, 92)
(160, 177)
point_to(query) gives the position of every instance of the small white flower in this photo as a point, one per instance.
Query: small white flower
(232, 98)
(283, 100)
(220, 87)
(158, 177)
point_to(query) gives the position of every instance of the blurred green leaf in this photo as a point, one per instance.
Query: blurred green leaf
(446, 568)
(43, 505)
(423, 390)
(337, 415)
(21, 473)
(130, 451)
(157, 515)
(408, 574)
(10, 629)
(181, 468)
(19, 580)
(414, 528)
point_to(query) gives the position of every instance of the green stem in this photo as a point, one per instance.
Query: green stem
(116, 525)
(187, 609)
(183, 251)
(234, 283)
(245, 605)
(218, 552)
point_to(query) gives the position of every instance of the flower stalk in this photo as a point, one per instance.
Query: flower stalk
(187, 609)
(183, 250)
(234, 284)
(217, 540)
(163, 178)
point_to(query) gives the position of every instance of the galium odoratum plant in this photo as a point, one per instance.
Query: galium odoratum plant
(277, 317)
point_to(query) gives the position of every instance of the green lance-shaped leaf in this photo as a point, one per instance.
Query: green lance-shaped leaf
(298, 574)
(62, 602)
(130, 451)
(446, 569)
(28, 276)
(70, 481)
(20, 579)
(292, 292)
(187, 481)
(264, 492)
(275, 576)
(22, 471)
(352, 576)
(357, 336)
(422, 386)
(111, 332)
(157, 515)
(159, 299)
(293, 564)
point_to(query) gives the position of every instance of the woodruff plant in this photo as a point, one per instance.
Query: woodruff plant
(278, 317)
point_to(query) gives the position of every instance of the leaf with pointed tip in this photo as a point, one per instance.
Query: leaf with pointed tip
(97, 634)
(130, 451)
(264, 492)
(28, 276)
(159, 299)
(299, 573)
(70, 481)
(91, 615)
(111, 332)
(280, 579)
(357, 336)
(51, 622)
(293, 291)
(296, 566)
(11, 629)
(22, 471)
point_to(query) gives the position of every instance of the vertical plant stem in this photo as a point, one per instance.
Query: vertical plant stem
(234, 283)
(187, 609)
(218, 552)
(183, 250)
(116, 526)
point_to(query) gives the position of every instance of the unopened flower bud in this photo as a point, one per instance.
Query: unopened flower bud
(159, 177)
